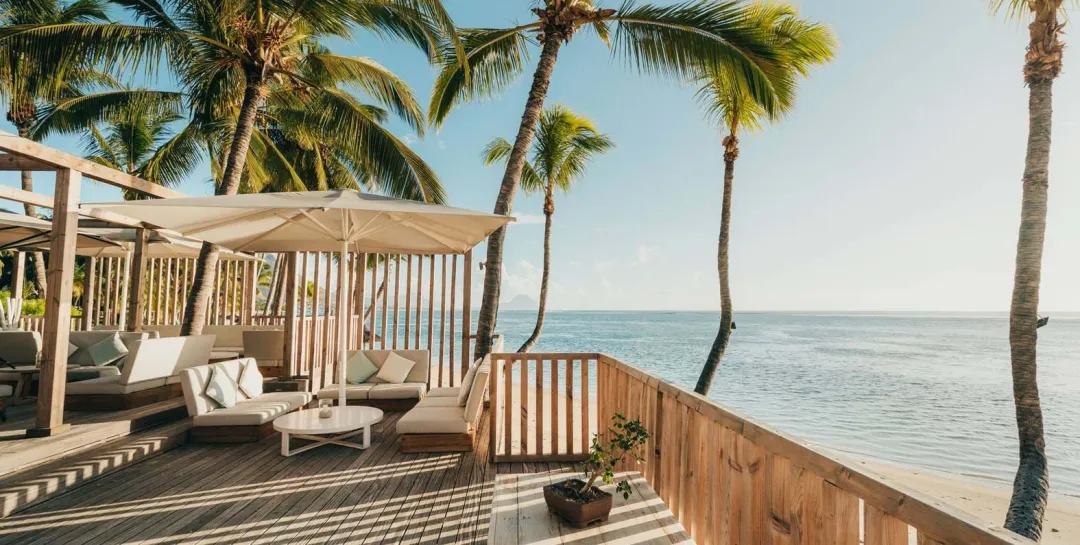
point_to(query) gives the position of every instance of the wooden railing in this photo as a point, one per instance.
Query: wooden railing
(727, 478)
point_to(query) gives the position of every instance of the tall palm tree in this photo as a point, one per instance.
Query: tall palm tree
(565, 143)
(800, 44)
(1042, 65)
(229, 53)
(672, 41)
(27, 82)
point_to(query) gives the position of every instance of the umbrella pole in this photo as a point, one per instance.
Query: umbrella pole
(341, 322)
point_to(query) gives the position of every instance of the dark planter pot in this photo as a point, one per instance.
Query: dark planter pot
(576, 513)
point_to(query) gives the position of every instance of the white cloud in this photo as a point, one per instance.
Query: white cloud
(442, 145)
(645, 254)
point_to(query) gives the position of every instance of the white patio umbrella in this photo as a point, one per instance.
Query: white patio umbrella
(318, 221)
(25, 232)
(159, 246)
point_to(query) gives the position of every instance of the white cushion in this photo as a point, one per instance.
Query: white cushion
(111, 385)
(433, 420)
(395, 369)
(194, 380)
(20, 347)
(251, 380)
(466, 384)
(85, 339)
(260, 410)
(72, 349)
(222, 388)
(352, 391)
(108, 350)
(408, 390)
(419, 373)
(444, 392)
(476, 393)
(358, 369)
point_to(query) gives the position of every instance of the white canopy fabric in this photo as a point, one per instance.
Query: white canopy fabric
(25, 232)
(160, 245)
(318, 221)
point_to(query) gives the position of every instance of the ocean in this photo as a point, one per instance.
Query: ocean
(929, 391)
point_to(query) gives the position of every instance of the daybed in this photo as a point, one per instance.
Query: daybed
(252, 416)
(445, 421)
(230, 338)
(382, 395)
(148, 375)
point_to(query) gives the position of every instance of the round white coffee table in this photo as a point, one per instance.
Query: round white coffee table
(346, 422)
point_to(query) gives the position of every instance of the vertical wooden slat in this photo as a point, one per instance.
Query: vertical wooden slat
(883, 529)
(397, 294)
(307, 334)
(361, 283)
(88, 292)
(431, 311)
(328, 352)
(454, 376)
(539, 411)
(466, 312)
(493, 391)
(419, 297)
(137, 302)
(569, 406)
(408, 297)
(523, 401)
(442, 327)
(385, 298)
(508, 392)
(290, 315)
(924, 539)
(553, 392)
(374, 298)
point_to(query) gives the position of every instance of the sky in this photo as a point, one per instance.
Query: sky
(894, 184)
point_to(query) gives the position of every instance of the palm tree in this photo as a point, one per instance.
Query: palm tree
(129, 130)
(801, 45)
(1042, 64)
(26, 84)
(565, 143)
(229, 53)
(673, 41)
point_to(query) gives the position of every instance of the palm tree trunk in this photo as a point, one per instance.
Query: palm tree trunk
(489, 306)
(1032, 483)
(27, 178)
(712, 361)
(549, 210)
(199, 297)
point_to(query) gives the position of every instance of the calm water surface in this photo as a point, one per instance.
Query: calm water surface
(931, 391)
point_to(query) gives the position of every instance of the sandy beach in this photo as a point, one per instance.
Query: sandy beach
(988, 500)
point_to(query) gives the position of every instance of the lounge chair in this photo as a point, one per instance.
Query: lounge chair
(381, 395)
(149, 374)
(441, 423)
(250, 420)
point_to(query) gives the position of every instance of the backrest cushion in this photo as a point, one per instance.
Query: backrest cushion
(233, 335)
(222, 388)
(418, 373)
(164, 330)
(108, 350)
(264, 345)
(85, 339)
(20, 347)
(161, 358)
(467, 383)
(358, 368)
(194, 381)
(251, 379)
(476, 393)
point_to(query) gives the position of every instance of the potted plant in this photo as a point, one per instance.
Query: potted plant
(580, 502)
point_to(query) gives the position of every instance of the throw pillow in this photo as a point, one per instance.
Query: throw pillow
(359, 368)
(251, 380)
(466, 384)
(222, 388)
(395, 369)
(108, 350)
(72, 349)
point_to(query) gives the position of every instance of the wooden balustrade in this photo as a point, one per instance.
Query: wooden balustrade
(727, 478)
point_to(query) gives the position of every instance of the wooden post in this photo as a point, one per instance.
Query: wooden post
(18, 276)
(88, 293)
(290, 313)
(137, 279)
(466, 313)
(57, 326)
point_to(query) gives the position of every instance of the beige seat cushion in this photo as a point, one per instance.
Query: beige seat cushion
(433, 420)
(111, 385)
(352, 391)
(254, 412)
(444, 392)
(408, 390)
(438, 402)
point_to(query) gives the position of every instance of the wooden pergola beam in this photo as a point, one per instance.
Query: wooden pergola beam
(38, 153)
(20, 163)
(44, 201)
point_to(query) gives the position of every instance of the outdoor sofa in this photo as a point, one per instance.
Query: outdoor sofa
(380, 394)
(446, 420)
(24, 348)
(230, 338)
(252, 416)
(149, 373)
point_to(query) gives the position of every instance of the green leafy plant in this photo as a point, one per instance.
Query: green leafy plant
(624, 437)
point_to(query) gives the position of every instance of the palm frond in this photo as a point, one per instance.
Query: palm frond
(173, 161)
(77, 113)
(495, 58)
(374, 79)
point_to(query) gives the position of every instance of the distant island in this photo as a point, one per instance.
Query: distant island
(521, 302)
